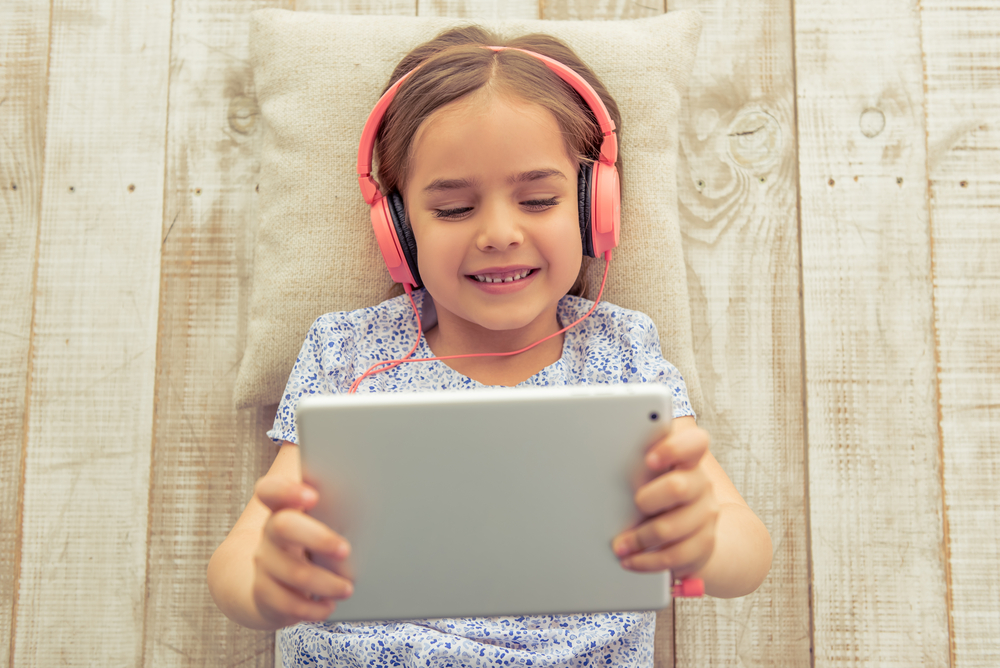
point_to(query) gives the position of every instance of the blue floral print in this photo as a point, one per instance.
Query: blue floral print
(614, 345)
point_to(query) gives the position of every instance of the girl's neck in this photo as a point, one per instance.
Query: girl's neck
(454, 336)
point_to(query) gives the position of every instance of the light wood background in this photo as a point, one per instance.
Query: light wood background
(840, 202)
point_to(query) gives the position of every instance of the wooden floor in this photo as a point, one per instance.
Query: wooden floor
(840, 201)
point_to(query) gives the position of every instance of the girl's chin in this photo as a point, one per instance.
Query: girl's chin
(510, 325)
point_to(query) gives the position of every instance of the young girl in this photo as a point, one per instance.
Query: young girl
(488, 153)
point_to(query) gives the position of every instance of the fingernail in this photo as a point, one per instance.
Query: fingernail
(308, 496)
(348, 590)
(342, 550)
(653, 460)
(620, 547)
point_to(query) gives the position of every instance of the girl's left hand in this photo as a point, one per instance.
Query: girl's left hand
(679, 506)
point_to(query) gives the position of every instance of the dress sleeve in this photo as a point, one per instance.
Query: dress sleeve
(325, 361)
(644, 361)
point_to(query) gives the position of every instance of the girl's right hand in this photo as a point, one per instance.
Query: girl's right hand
(288, 587)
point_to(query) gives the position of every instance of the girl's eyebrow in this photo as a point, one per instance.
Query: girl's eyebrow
(449, 184)
(457, 184)
(535, 175)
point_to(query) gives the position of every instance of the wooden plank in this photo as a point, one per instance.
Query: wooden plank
(737, 198)
(600, 10)
(480, 9)
(24, 52)
(374, 7)
(961, 57)
(206, 455)
(873, 462)
(82, 575)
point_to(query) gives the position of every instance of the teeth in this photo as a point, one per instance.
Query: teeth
(516, 277)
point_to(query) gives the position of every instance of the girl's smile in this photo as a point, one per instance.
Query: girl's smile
(500, 281)
(492, 199)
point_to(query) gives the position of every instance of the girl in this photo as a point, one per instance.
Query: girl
(488, 154)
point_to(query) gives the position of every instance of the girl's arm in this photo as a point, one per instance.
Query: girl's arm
(698, 524)
(260, 576)
(743, 551)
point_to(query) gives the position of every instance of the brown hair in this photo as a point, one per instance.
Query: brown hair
(454, 64)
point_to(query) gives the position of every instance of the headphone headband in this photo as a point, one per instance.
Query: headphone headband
(609, 146)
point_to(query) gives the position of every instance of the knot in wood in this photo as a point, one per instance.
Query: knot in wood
(872, 122)
(754, 139)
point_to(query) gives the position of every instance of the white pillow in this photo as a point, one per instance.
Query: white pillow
(317, 77)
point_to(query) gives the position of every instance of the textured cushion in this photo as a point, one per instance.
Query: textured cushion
(317, 77)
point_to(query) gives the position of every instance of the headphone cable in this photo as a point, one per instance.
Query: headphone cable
(394, 363)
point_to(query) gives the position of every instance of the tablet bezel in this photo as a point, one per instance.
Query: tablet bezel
(499, 501)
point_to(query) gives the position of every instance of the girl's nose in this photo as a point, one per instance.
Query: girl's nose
(499, 227)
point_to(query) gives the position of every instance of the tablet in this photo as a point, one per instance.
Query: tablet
(500, 501)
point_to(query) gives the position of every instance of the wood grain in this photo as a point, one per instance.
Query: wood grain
(480, 9)
(873, 462)
(24, 52)
(82, 576)
(962, 79)
(737, 198)
(373, 7)
(601, 10)
(206, 454)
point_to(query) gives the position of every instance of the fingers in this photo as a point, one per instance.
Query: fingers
(299, 574)
(278, 492)
(670, 490)
(292, 529)
(284, 607)
(668, 529)
(682, 448)
(682, 559)
(288, 587)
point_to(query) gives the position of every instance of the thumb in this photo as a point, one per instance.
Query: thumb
(279, 493)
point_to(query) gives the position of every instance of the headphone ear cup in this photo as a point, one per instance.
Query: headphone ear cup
(606, 202)
(405, 235)
(583, 200)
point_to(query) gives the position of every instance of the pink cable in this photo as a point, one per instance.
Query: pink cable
(395, 363)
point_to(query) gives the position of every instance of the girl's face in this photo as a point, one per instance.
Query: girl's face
(492, 192)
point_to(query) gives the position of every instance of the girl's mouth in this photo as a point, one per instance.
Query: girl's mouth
(509, 277)
(497, 285)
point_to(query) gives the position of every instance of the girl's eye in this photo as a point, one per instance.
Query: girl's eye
(531, 204)
(540, 204)
(452, 213)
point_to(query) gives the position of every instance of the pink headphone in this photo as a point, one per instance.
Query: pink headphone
(598, 189)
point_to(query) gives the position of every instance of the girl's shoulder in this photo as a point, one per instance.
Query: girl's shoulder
(390, 314)
(609, 319)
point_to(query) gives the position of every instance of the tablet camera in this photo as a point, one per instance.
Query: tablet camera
(654, 416)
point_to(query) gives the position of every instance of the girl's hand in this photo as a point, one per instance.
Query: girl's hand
(679, 506)
(288, 587)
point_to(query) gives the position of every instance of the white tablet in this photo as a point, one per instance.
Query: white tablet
(500, 501)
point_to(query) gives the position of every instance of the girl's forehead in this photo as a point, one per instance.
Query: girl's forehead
(482, 103)
(479, 109)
